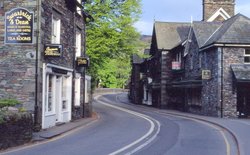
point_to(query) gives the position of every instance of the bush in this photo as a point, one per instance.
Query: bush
(8, 102)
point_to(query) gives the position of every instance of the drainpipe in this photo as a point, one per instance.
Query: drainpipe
(37, 126)
(84, 69)
(74, 68)
(222, 76)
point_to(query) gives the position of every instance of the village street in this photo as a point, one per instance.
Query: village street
(123, 128)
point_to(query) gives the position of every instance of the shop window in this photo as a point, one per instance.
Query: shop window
(78, 44)
(247, 56)
(49, 107)
(56, 30)
(64, 93)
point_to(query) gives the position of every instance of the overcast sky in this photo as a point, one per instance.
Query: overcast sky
(177, 11)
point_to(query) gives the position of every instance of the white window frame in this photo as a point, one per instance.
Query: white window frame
(65, 89)
(78, 44)
(78, 9)
(52, 111)
(56, 30)
(78, 89)
(247, 55)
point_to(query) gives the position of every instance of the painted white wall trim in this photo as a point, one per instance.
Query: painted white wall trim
(59, 67)
(221, 12)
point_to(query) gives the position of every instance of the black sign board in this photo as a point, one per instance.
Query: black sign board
(52, 50)
(19, 26)
(82, 62)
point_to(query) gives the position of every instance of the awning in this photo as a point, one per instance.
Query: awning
(186, 84)
(241, 72)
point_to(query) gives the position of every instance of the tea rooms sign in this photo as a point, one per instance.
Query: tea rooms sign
(19, 26)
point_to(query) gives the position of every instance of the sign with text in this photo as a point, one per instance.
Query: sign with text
(82, 62)
(53, 50)
(19, 26)
(206, 74)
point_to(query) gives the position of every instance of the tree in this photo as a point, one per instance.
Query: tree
(111, 39)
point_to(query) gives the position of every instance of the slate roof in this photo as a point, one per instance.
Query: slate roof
(241, 72)
(235, 30)
(137, 59)
(169, 35)
(203, 30)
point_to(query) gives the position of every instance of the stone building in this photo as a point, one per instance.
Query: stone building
(42, 54)
(203, 66)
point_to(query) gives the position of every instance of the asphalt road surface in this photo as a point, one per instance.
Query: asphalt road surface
(123, 128)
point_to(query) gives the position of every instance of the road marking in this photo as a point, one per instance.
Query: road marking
(228, 148)
(149, 133)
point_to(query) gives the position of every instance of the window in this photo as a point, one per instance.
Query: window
(78, 9)
(49, 107)
(247, 56)
(77, 90)
(56, 30)
(64, 93)
(178, 57)
(78, 44)
(1, 4)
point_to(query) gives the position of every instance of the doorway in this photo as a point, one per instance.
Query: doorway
(243, 100)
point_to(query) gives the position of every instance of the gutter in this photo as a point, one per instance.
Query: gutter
(223, 45)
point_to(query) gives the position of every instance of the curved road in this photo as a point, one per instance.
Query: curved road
(123, 128)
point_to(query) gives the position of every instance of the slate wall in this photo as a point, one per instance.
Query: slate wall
(17, 62)
(16, 130)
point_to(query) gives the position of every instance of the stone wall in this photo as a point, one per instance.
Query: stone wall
(211, 88)
(166, 70)
(230, 56)
(17, 62)
(211, 6)
(15, 130)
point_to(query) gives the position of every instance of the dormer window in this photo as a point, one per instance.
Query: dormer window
(247, 55)
(176, 64)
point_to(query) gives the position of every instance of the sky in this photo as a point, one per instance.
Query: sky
(177, 11)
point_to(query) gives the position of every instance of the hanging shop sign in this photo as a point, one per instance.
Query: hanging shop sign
(52, 50)
(82, 61)
(19, 26)
(206, 74)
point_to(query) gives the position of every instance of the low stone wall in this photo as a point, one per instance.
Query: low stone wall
(15, 129)
(109, 90)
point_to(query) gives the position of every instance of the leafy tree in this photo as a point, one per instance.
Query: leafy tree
(111, 39)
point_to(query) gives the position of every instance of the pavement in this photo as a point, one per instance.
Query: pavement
(63, 128)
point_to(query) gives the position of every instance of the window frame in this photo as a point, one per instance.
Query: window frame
(78, 44)
(78, 9)
(247, 55)
(55, 30)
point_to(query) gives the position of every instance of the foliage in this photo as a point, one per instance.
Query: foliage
(111, 39)
(8, 102)
(115, 73)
